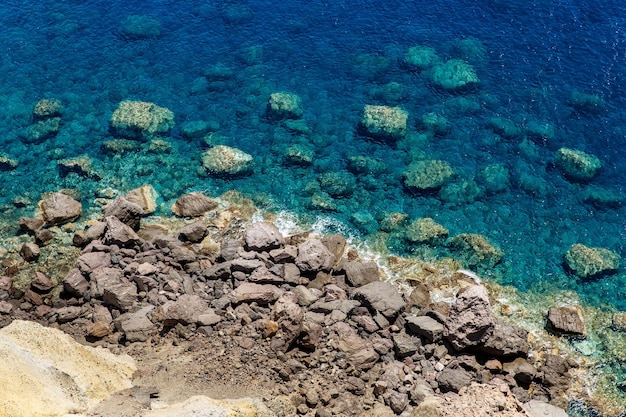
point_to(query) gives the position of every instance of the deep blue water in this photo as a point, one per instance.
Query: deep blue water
(534, 55)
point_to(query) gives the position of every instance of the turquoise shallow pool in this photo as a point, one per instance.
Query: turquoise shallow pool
(550, 76)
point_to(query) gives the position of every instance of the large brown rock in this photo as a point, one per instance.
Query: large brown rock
(382, 297)
(136, 326)
(568, 320)
(360, 273)
(121, 295)
(185, 310)
(118, 233)
(127, 212)
(506, 340)
(60, 208)
(470, 321)
(426, 327)
(145, 197)
(75, 283)
(313, 256)
(259, 293)
(263, 236)
(289, 316)
(359, 352)
(90, 261)
(193, 205)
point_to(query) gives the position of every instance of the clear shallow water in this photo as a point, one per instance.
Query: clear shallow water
(337, 56)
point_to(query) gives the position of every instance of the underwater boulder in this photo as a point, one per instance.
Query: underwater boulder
(284, 105)
(421, 58)
(454, 74)
(47, 108)
(476, 250)
(41, 130)
(59, 208)
(495, 178)
(427, 175)
(338, 184)
(223, 160)
(426, 230)
(383, 122)
(141, 27)
(141, 120)
(434, 124)
(577, 165)
(7, 163)
(589, 263)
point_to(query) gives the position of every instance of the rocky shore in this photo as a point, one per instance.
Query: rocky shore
(211, 304)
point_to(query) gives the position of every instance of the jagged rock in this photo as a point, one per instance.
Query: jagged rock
(568, 320)
(193, 205)
(145, 197)
(47, 108)
(194, 232)
(88, 262)
(262, 236)
(453, 378)
(506, 340)
(136, 326)
(41, 283)
(382, 297)
(313, 256)
(259, 293)
(289, 316)
(360, 273)
(384, 122)
(104, 277)
(470, 321)
(425, 326)
(30, 224)
(405, 345)
(128, 213)
(118, 233)
(94, 232)
(185, 310)
(577, 165)
(286, 254)
(30, 251)
(327, 307)
(121, 295)
(98, 330)
(81, 165)
(60, 208)
(67, 314)
(359, 352)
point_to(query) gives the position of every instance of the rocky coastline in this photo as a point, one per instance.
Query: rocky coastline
(303, 320)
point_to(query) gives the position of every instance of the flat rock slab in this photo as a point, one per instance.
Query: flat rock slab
(60, 208)
(425, 326)
(568, 320)
(251, 292)
(263, 236)
(382, 297)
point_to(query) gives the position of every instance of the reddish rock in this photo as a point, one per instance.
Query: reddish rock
(470, 321)
(185, 310)
(425, 326)
(30, 251)
(67, 314)
(289, 316)
(91, 261)
(360, 273)
(568, 320)
(194, 232)
(30, 224)
(259, 293)
(122, 295)
(382, 297)
(193, 205)
(98, 330)
(75, 283)
(313, 256)
(41, 283)
(118, 233)
(128, 213)
(60, 208)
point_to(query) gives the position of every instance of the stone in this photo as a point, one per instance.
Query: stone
(263, 236)
(41, 130)
(75, 377)
(118, 233)
(470, 321)
(59, 208)
(43, 237)
(136, 326)
(208, 318)
(591, 263)
(426, 230)
(88, 262)
(30, 224)
(507, 340)
(145, 197)
(426, 327)
(141, 120)
(567, 320)
(194, 232)
(30, 251)
(41, 283)
(98, 330)
(384, 122)
(359, 352)
(359, 273)
(453, 378)
(47, 108)
(80, 165)
(283, 105)
(121, 295)
(398, 401)
(128, 213)
(453, 74)
(67, 314)
(193, 205)
(576, 165)
(427, 175)
(251, 292)
(536, 408)
(289, 316)
(185, 310)
(476, 250)
(382, 297)
(405, 345)
(104, 277)
(313, 256)
(521, 370)
(94, 232)
(226, 161)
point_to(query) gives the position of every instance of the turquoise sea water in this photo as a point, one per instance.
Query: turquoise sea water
(218, 61)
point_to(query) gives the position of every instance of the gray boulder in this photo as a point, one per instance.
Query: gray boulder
(127, 212)
(313, 256)
(361, 273)
(136, 326)
(382, 297)
(470, 321)
(263, 236)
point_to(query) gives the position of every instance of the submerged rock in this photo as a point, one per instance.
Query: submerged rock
(384, 122)
(427, 175)
(141, 120)
(577, 165)
(454, 74)
(426, 230)
(476, 250)
(193, 205)
(421, 57)
(284, 105)
(223, 160)
(591, 263)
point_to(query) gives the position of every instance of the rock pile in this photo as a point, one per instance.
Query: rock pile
(340, 340)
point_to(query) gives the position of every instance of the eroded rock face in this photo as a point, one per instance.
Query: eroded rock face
(470, 321)
(58, 377)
